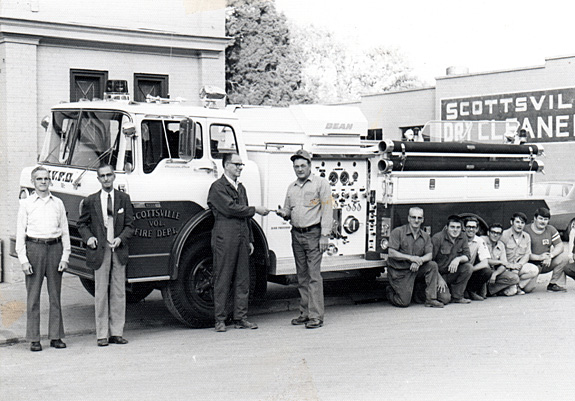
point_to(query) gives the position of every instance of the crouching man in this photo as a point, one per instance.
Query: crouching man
(410, 253)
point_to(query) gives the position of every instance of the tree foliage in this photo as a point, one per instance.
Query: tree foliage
(271, 62)
(261, 67)
(334, 71)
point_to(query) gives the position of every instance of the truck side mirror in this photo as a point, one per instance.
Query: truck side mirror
(129, 129)
(45, 122)
(187, 145)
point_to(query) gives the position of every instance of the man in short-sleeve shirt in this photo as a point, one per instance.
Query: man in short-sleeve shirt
(547, 250)
(410, 253)
(518, 249)
(451, 252)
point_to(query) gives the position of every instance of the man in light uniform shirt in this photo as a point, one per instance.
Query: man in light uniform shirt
(43, 248)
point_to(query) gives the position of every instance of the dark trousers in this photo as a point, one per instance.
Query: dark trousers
(402, 281)
(44, 260)
(231, 273)
(456, 282)
(478, 279)
(307, 256)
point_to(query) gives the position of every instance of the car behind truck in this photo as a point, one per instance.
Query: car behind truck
(167, 154)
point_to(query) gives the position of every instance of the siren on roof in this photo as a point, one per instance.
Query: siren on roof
(116, 89)
(210, 95)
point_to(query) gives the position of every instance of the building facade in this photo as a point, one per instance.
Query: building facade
(58, 50)
(541, 99)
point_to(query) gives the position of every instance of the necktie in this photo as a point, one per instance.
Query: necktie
(110, 208)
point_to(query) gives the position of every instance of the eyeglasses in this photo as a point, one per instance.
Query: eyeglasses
(496, 232)
(238, 165)
(471, 227)
(416, 217)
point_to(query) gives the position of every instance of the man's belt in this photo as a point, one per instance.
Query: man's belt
(46, 241)
(306, 229)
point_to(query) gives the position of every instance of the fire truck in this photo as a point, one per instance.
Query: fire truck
(167, 154)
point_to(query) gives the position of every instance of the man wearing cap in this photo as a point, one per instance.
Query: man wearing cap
(547, 250)
(308, 205)
(451, 253)
(43, 248)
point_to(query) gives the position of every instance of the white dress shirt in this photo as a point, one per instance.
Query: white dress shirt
(41, 218)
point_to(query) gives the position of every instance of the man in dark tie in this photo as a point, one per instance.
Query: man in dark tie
(232, 243)
(106, 224)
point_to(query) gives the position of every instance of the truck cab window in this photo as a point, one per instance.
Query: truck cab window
(83, 138)
(222, 140)
(97, 139)
(160, 140)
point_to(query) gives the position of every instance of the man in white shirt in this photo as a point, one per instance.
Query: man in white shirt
(481, 272)
(43, 248)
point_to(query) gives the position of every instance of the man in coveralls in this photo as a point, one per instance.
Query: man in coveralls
(232, 243)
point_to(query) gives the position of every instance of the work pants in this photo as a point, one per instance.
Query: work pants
(503, 281)
(44, 260)
(478, 279)
(557, 266)
(110, 296)
(231, 273)
(528, 277)
(308, 265)
(456, 283)
(402, 282)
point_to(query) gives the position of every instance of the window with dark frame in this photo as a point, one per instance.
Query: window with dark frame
(87, 84)
(150, 84)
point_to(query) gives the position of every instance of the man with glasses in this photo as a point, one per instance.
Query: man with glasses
(232, 243)
(451, 253)
(480, 270)
(517, 250)
(43, 248)
(308, 205)
(410, 253)
(502, 279)
(547, 250)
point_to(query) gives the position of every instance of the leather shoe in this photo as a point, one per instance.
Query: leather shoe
(220, 327)
(461, 301)
(300, 320)
(434, 303)
(102, 342)
(314, 323)
(57, 343)
(35, 346)
(118, 340)
(245, 324)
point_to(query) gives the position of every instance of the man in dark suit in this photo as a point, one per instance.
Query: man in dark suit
(232, 243)
(106, 224)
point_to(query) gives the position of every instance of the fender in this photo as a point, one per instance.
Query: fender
(204, 218)
(204, 221)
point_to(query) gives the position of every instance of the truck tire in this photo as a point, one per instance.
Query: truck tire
(190, 297)
(134, 294)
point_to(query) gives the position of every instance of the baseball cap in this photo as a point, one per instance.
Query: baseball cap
(301, 154)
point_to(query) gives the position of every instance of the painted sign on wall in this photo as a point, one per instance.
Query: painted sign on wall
(547, 116)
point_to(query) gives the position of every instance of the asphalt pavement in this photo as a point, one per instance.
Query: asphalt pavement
(78, 307)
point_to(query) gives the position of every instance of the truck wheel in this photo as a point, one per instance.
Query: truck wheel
(190, 297)
(134, 294)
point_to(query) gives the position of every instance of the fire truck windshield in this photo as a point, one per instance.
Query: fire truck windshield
(83, 138)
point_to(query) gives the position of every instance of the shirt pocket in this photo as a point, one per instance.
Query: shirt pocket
(310, 199)
(445, 249)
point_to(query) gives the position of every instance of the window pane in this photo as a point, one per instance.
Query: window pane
(97, 139)
(57, 149)
(161, 140)
(222, 140)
